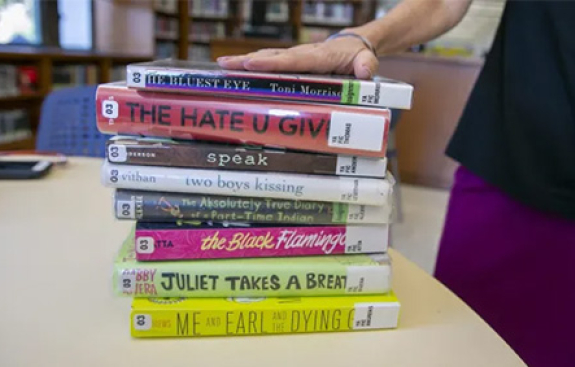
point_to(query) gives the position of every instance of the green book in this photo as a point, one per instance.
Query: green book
(251, 277)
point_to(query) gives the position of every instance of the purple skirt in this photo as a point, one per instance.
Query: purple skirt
(515, 266)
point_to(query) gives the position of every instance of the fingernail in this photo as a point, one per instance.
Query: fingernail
(367, 71)
(223, 58)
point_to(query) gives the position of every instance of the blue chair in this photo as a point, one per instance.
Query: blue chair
(68, 123)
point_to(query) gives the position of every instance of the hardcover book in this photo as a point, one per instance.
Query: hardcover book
(194, 154)
(197, 317)
(259, 277)
(189, 240)
(369, 191)
(153, 206)
(209, 78)
(348, 130)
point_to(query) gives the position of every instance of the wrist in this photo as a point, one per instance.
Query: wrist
(366, 32)
(352, 36)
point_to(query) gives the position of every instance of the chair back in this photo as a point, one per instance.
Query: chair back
(68, 123)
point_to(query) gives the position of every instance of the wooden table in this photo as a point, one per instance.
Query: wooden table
(58, 239)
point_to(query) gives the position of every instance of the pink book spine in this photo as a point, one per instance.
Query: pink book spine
(220, 243)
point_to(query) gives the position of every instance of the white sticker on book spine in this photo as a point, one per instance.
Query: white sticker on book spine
(370, 239)
(349, 190)
(117, 153)
(127, 282)
(360, 166)
(110, 109)
(356, 131)
(125, 209)
(145, 245)
(142, 322)
(369, 213)
(136, 77)
(368, 279)
(375, 315)
(369, 93)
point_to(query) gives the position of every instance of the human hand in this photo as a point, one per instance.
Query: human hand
(344, 55)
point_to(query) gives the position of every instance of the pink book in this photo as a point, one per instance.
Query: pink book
(186, 241)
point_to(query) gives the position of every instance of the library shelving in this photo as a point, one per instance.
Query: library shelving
(198, 22)
(48, 69)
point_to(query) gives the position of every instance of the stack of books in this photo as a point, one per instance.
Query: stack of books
(262, 201)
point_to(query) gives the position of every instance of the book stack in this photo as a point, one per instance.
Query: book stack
(261, 201)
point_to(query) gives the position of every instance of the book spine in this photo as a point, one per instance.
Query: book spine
(152, 206)
(285, 87)
(221, 243)
(292, 316)
(368, 191)
(248, 278)
(233, 158)
(311, 127)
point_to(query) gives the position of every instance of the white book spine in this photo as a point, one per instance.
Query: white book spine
(353, 190)
(380, 92)
(366, 239)
(361, 166)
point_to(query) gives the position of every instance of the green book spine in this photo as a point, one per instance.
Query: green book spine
(256, 277)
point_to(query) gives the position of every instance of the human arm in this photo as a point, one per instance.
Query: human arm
(409, 23)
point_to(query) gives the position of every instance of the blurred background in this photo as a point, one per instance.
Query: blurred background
(48, 45)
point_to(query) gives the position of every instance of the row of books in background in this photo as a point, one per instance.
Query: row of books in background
(199, 52)
(166, 28)
(14, 126)
(204, 8)
(209, 8)
(18, 80)
(166, 6)
(64, 76)
(235, 239)
(327, 13)
(334, 13)
(166, 50)
(205, 31)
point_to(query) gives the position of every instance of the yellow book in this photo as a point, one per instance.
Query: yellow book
(197, 317)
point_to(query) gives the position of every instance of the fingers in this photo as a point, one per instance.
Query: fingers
(289, 61)
(340, 56)
(365, 64)
(232, 62)
(237, 62)
(298, 58)
(308, 58)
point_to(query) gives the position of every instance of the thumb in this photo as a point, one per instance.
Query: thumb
(365, 64)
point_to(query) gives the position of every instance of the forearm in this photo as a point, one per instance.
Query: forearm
(412, 22)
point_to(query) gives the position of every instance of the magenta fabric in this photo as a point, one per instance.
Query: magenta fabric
(514, 266)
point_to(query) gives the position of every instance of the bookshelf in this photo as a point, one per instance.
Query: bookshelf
(217, 19)
(200, 22)
(48, 64)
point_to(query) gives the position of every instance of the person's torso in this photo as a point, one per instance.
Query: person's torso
(518, 129)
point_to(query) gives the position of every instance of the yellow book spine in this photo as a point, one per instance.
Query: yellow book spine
(173, 317)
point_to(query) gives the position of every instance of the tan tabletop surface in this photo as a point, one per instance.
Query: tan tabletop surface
(58, 239)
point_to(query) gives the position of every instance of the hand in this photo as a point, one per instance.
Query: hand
(344, 55)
